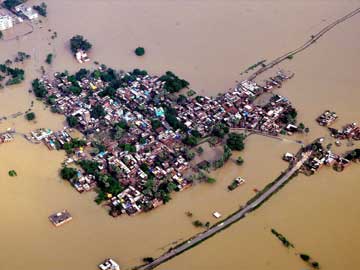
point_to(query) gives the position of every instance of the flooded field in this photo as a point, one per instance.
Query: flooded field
(209, 43)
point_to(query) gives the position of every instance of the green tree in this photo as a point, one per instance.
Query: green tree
(198, 223)
(39, 88)
(89, 166)
(235, 141)
(190, 140)
(78, 42)
(240, 161)
(210, 180)
(30, 116)
(49, 58)
(72, 121)
(12, 173)
(68, 173)
(305, 257)
(97, 111)
(9, 4)
(41, 9)
(173, 83)
(315, 265)
(219, 130)
(139, 51)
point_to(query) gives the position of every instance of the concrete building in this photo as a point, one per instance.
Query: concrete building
(28, 12)
(6, 22)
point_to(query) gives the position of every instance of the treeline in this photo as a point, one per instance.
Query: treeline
(17, 75)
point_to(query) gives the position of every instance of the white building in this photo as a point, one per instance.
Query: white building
(6, 22)
(28, 12)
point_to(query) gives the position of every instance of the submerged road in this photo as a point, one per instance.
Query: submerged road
(237, 216)
(304, 46)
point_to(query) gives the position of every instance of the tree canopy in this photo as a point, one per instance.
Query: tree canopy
(139, 51)
(173, 83)
(30, 116)
(68, 173)
(78, 42)
(235, 141)
(39, 89)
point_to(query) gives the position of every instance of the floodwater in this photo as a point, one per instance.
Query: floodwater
(209, 43)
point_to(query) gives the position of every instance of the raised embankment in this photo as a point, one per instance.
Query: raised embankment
(252, 205)
(304, 46)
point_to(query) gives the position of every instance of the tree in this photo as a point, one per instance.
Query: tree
(139, 51)
(200, 150)
(39, 88)
(148, 259)
(68, 173)
(12, 173)
(190, 140)
(82, 73)
(198, 223)
(49, 58)
(72, 121)
(155, 124)
(118, 132)
(219, 130)
(42, 9)
(89, 166)
(173, 83)
(78, 42)
(227, 153)
(305, 257)
(315, 265)
(98, 111)
(301, 126)
(1, 34)
(235, 141)
(307, 130)
(30, 116)
(9, 4)
(240, 161)
(210, 180)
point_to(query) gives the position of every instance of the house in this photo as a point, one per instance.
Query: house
(28, 12)
(6, 22)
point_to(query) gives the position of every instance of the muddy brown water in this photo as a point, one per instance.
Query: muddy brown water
(209, 43)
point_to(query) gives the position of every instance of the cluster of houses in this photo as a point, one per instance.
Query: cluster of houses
(17, 15)
(237, 109)
(320, 157)
(140, 144)
(6, 137)
(350, 131)
(327, 118)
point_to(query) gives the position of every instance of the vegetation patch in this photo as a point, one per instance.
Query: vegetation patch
(12, 173)
(282, 238)
(30, 116)
(78, 42)
(41, 9)
(49, 58)
(139, 51)
(173, 83)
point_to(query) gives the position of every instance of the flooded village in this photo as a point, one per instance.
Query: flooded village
(304, 210)
(143, 134)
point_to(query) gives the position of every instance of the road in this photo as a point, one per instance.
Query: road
(304, 46)
(239, 215)
(265, 134)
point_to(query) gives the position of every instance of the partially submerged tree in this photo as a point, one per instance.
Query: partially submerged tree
(78, 42)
